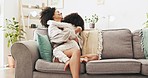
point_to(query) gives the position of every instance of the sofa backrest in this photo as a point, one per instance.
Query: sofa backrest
(43, 31)
(117, 43)
(137, 47)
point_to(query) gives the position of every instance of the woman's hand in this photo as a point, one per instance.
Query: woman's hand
(76, 39)
(66, 65)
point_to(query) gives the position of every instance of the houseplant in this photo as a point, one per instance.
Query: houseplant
(146, 23)
(92, 20)
(13, 33)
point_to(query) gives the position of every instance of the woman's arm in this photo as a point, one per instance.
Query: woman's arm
(60, 24)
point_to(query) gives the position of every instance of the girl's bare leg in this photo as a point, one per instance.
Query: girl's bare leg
(74, 62)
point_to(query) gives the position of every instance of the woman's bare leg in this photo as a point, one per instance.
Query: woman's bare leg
(74, 62)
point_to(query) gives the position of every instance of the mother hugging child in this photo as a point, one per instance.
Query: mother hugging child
(64, 35)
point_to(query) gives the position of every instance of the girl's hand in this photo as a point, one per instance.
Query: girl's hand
(78, 29)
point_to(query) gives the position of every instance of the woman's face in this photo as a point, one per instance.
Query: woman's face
(57, 16)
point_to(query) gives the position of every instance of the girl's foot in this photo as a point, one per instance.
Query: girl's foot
(85, 60)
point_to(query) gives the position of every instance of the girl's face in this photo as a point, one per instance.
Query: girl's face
(57, 15)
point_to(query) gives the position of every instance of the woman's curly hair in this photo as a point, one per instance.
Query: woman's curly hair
(75, 19)
(47, 14)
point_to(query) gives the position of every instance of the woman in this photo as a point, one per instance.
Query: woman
(74, 62)
(73, 53)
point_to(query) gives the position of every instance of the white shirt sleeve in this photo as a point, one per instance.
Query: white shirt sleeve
(57, 35)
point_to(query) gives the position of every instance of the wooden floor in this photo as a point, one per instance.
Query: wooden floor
(7, 73)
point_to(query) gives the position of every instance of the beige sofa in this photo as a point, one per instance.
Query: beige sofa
(122, 57)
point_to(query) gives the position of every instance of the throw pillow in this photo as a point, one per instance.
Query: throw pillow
(92, 42)
(45, 48)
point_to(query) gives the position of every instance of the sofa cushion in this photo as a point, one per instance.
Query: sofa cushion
(137, 47)
(113, 66)
(144, 69)
(44, 66)
(117, 43)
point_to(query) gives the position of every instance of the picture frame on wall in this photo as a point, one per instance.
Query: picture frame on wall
(100, 2)
(56, 3)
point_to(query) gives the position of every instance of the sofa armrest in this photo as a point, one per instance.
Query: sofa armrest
(25, 54)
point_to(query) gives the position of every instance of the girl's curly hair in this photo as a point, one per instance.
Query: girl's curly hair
(75, 19)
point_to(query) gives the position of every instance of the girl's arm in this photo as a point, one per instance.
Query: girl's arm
(78, 30)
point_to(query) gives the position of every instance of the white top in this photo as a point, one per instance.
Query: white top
(57, 35)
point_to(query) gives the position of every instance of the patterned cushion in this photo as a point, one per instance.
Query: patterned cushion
(92, 42)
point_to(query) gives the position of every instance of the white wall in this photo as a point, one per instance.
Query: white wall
(10, 10)
(1, 35)
(1, 44)
(124, 13)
